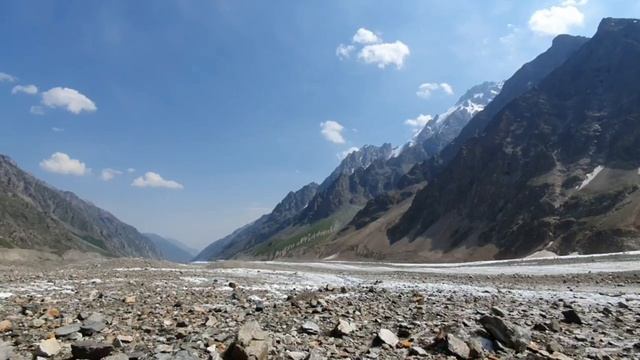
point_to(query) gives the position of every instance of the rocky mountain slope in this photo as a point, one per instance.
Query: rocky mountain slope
(34, 215)
(171, 249)
(361, 176)
(294, 210)
(556, 168)
(366, 235)
(525, 78)
(549, 164)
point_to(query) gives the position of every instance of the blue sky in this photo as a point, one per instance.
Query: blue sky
(209, 112)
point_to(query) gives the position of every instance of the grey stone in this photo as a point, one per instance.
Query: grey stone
(343, 328)
(310, 327)
(509, 334)
(457, 347)
(251, 343)
(91, 327)
(387, 337)
(67, 330)
(571, 317)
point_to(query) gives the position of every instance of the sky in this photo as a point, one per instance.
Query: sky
(192, 118)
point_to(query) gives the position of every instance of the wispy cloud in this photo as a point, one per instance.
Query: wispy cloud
(154, 180)
(109, 174)
(25, 89)
(36, 110)
(418, 123)
(70, 99)
(425, 90)
(344, 51)
(332, 131)
(343, 154)
(4, 77)
(61, 163)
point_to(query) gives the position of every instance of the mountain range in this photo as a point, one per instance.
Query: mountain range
(547, 160)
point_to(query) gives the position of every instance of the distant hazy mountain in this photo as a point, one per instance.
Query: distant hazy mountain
(252, 234)
(171, 249)
(288, 214)
(34, 215)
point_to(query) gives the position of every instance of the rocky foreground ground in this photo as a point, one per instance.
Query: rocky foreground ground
(135, 309)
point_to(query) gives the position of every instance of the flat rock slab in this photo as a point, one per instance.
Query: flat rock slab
(90, 350)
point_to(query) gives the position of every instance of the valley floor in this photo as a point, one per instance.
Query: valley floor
(576, 307)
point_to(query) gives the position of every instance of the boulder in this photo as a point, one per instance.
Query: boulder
(252, 343)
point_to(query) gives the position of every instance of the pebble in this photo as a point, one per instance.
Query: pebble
(48, 348)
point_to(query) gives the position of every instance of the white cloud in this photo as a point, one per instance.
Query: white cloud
(364, 36)
(448, 89)
(332, 131)
(27, 89)
(343, 154)
(57, 129)
(36, 110)
(131, 170)
(418, 123)
(425, 90)
(4, 77)
(154, 180)
(61, 163)
(557, 19)
(385, 54)
(372, 50)
(108, 174)
(71, 99)
(344, 51)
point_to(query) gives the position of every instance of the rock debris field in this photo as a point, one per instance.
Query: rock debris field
(138, 309)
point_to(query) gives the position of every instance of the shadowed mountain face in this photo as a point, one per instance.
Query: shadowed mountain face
(557, 167)
(382, 175)
(527, 77)
(34, 215)
(171, 249)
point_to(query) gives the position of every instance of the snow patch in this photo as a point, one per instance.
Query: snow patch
(590, 176)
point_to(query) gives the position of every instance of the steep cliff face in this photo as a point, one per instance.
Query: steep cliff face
(557, 167)
(34, 215)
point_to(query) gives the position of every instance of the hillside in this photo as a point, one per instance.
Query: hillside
(33, 215)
